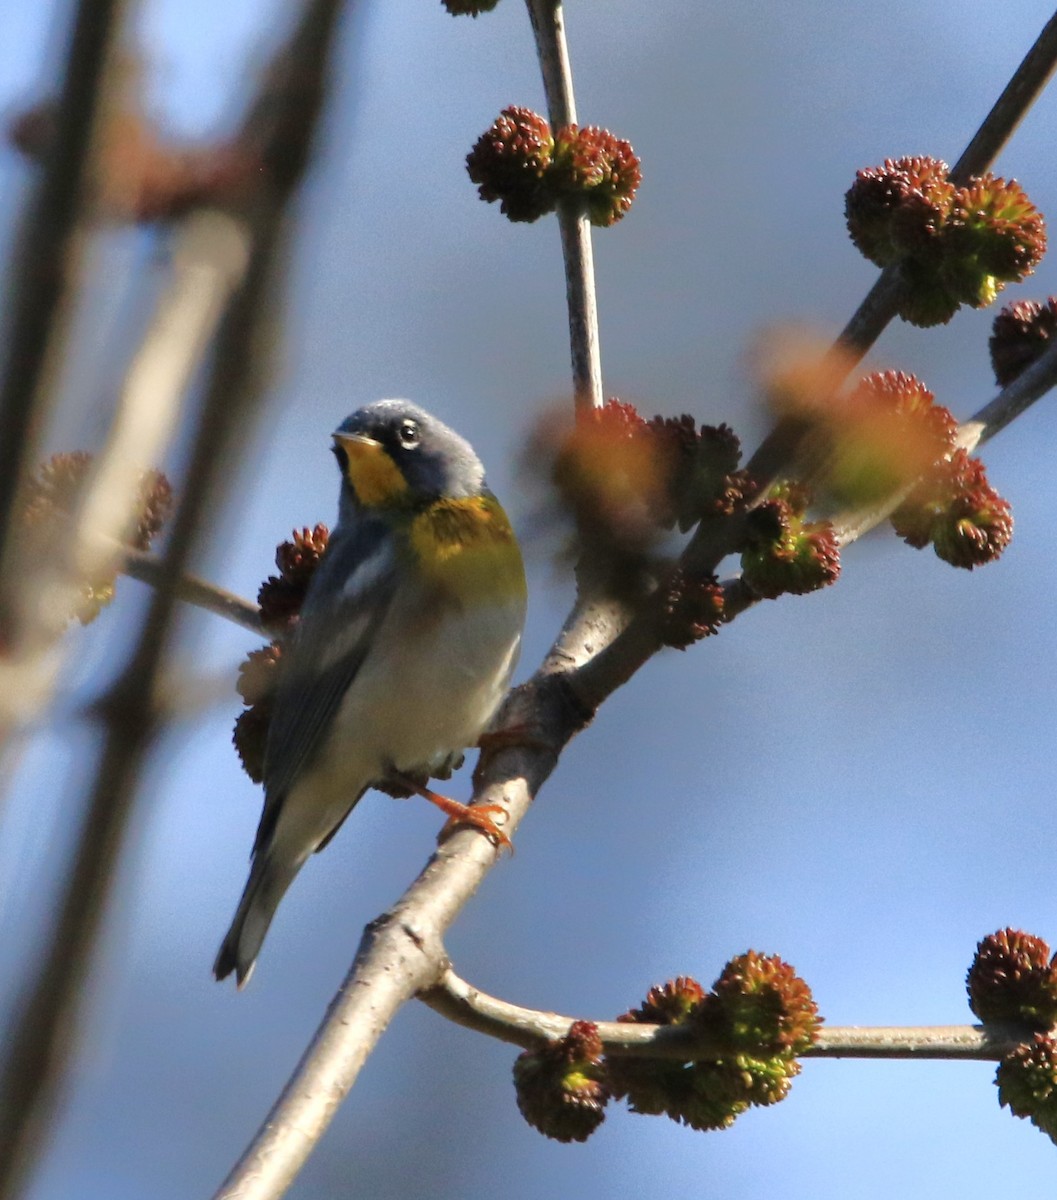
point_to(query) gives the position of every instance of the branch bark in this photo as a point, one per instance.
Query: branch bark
(466, 1005)
(548, 27)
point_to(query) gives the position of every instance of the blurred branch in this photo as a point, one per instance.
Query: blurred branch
(45, 261)
(149, 569)
(206, 263)
(548, 26)
(40, 280)
(280, 125)
(464, 1004)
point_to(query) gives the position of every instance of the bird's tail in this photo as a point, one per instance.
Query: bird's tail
(266, 886)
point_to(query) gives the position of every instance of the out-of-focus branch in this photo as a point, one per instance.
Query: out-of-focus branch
(281, 126)
(206, 263)
(466, 1005)
(548, 26)
(44, 263)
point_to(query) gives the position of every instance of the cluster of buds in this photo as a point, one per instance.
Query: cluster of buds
(280, 596)
(280, 599)
(53, 494)
(561, 1088)
(888, 438)
(955, 245)
(879, 438)
(784, 552)
(693, 608)
(1019, 335)
(1013, 978)
(1027, 1083)
(141, 177)
(529, 169)
(957, 510)
(759, 1015)
(626, 481)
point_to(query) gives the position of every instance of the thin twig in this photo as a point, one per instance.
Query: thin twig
(149, 569)
(548, 26)
(466, 1005)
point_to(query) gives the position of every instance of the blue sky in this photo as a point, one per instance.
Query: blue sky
(858, 780)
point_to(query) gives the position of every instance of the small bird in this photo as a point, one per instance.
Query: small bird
(409, 633)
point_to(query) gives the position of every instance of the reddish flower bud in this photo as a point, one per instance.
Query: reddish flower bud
(956, 509)
(693, 609)
(955, 245)
(280, 597)
(880, 438)
(601, 170)
(561, 1088)
(994, 226)
(1014, 978)
(510, 163)
(898, 208)
(1019, 335)
(759, 1004)
(258, 679)
(52, 496)
(1027, 1083)
(784, 553)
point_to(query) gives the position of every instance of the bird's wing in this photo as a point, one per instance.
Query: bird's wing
(347, 600)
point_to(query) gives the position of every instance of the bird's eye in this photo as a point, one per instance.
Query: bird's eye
(408, 434)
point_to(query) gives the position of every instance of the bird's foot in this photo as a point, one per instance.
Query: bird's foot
(477, 815)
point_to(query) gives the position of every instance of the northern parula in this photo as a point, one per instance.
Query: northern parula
(409, 632)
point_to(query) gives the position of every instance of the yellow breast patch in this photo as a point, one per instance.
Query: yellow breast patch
(467, 548)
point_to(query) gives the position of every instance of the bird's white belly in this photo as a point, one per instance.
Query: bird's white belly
(419, 697)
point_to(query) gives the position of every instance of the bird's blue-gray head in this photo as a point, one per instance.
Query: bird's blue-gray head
(394, 455)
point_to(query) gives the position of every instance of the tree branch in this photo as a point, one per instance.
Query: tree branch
(207, 261)
(548, 26)
(466, 1005)
(149, 569)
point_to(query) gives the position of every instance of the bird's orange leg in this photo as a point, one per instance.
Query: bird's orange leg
(477, 815)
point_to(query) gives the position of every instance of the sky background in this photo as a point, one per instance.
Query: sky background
(859, 780)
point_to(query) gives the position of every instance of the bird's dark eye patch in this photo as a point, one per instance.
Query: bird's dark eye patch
(341, 454)
(408, 434)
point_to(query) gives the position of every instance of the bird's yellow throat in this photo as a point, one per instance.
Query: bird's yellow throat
(468, 549)
(373, 475)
